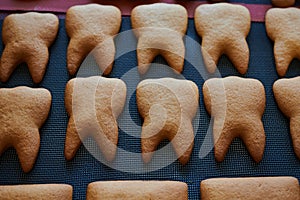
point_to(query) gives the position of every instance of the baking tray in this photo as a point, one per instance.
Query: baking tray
(51, 167)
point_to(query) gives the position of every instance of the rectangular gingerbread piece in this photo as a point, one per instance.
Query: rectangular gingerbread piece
(36, 192)
(135, 190)
(266, 188)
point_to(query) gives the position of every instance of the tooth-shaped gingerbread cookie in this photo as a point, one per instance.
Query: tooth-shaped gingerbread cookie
(92, 27)
(37, 191)
(223, 28)
(287, 95)
(160, 28)
(134, 190)
(23, 111)
(93, 105)
(283, 27)
(236, 105)
(167, 106)
(27, 38)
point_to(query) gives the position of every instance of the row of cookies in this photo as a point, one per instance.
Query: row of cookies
(160, 29)
(167, 106)
(277, 3)
(224, 28)
(267, 188)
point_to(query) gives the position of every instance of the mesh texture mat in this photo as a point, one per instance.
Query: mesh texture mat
(51, 167)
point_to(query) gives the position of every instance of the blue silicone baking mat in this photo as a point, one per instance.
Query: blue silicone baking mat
(51, 167)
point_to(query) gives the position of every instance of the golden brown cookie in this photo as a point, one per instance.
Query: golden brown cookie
(267, 188)
(283, 3)
(36, 192)
(287, 95)
(160, 28)
(93, 105)
(92, 27)
(23, 111)
(27, 38)
(167, 106)
(223, 28)
(136, 190)
(236, 105)
(283, 27)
